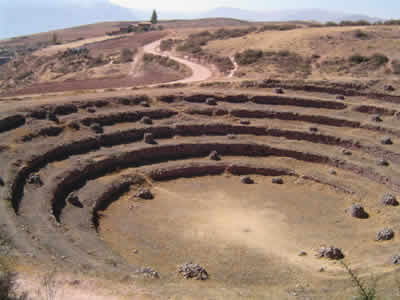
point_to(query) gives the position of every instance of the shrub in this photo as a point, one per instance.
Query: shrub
(396, 66)
(365, 292)
(331, 24)
(166, 45)
(361, 34)
(379, 59)
(282, 27)
(358, 59)
(248, 57)
(127, 55)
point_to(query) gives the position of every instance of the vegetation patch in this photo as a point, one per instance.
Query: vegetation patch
(161, 60)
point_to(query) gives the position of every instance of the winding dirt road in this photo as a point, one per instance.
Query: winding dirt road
(199, 72)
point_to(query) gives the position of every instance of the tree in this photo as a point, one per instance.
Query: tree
(154, 17)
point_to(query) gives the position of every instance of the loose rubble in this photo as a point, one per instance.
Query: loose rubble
(385, 234)
(331, 253)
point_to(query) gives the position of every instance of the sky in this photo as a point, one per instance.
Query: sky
(376, 8)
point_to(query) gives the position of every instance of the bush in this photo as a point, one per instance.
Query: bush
(282, 27)
(358, 59)
(127, 55)
(331, 24)
(379, 59)
(248, 57)
(361, 34)
(166, 45)
(365, 292)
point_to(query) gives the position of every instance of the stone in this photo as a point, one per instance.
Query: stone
(149, 272)
(382, 162)
(190, 270)
(97, 128)
(389, 200)
(386, 141)
(303, 253)
(211, 101)
(346, 152)
(214, 156)
(245, 122)
(144, 104)
(246, 180)
(396, 259)
(332, 172)
(357, 211)
(35, 179)
(231, 136)
(277, 180)
(74, 200)
(385, 234)
(91, 110)
(2, 183)
(279, 91)
(376, 118)
(74, 125)
(146, 120)
(145, 194)
(149, 139)
(52, 117)
(388, 88)
(340, 97)
(331, 253)
(313, 129)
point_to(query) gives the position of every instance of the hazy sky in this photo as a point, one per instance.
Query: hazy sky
(378, 8)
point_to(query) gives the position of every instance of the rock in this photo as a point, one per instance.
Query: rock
(386, 141)
(144, 194)
(144, 104)
(382, 162)
(97, 128)
(396, 259)
(332, 172)
(2, 181)
(149, 139)
(146, 120)
(388, 88)
(346, 152)
(190, 270)
(74, 125)
(303, 253)
(340, 97)
(246, 180)
(52, 117)
(321, 270)
(376, 118)
(245, 122)
(390, 200)
(331, 253)
(35, 179)
(149, 272)
(231, 136)
(91, 110)
(279, 91)
(313, 129)
(74, 200)
(214, 156)
(385, 234)
(211, 101)
(277, 180)
(357, 211)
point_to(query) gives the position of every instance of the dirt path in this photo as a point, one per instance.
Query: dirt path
(236, 66)
(199, 72)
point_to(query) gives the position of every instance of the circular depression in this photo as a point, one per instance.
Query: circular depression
(243, 234)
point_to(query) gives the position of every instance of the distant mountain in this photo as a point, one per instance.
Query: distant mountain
(285, 15)
(24, 17)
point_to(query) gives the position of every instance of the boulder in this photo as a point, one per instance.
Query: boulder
(330, 253)
(382, 162)
(357, 211)
(214, 156)
(389, 200)
(277, 180)
(149, 139)
(386, 141)
(246, 180)
(145, 194)
(385, 234)
(35, 179)
(190, 270)
(211, 101)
